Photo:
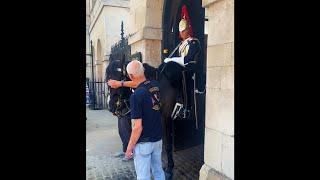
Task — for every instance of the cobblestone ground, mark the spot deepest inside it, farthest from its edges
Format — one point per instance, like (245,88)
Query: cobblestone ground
(107,167)
(103,141)
(187,163)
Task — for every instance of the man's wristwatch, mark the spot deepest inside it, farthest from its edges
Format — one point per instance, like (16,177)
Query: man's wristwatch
(122,83)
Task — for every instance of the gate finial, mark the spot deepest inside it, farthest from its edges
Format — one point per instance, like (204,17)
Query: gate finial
(122,38)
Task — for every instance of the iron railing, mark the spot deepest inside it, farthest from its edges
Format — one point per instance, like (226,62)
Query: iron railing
(97,95)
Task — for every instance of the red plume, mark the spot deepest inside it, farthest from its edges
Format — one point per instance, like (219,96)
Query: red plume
(185,15)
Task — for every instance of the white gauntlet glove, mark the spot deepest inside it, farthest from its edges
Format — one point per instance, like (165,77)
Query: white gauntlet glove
(166,60)
(179,60)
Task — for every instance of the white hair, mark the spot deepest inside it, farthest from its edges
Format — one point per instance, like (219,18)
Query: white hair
(135,68)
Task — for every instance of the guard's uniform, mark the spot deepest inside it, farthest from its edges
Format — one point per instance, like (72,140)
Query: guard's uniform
(189,50)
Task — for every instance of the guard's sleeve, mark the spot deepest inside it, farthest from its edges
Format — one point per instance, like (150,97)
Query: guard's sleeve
(194,47)
(136,106)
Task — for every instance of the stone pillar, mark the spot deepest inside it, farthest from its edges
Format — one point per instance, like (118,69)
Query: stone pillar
(219,130)
(146,29)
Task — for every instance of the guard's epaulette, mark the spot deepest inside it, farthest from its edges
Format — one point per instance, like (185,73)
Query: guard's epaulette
(194,40)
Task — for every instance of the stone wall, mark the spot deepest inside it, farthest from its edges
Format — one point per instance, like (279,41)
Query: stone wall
(106,28)
(219,130)
(146,29)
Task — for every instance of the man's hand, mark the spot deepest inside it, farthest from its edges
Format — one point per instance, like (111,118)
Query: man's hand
(114,83)
(135,134)
(166,60)
(129,152)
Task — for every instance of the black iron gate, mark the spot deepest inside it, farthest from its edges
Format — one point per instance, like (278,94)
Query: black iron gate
(97,95)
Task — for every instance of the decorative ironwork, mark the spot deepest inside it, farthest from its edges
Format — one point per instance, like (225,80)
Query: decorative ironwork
(121,47)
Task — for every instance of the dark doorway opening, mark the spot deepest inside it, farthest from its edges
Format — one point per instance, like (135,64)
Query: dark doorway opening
(186,135)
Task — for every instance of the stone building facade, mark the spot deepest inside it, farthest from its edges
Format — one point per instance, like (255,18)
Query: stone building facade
(144,21)
(104,30)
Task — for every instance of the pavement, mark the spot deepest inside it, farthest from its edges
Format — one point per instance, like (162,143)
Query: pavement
(103,141)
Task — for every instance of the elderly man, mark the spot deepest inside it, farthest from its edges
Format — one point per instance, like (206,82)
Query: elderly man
(145,143)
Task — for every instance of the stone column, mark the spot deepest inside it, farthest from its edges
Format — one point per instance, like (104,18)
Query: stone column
(146,29)
(219,130)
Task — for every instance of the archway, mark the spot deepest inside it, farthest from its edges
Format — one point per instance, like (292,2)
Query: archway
(99,60)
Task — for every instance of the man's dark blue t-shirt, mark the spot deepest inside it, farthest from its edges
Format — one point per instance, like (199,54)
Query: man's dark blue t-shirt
(144,106)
